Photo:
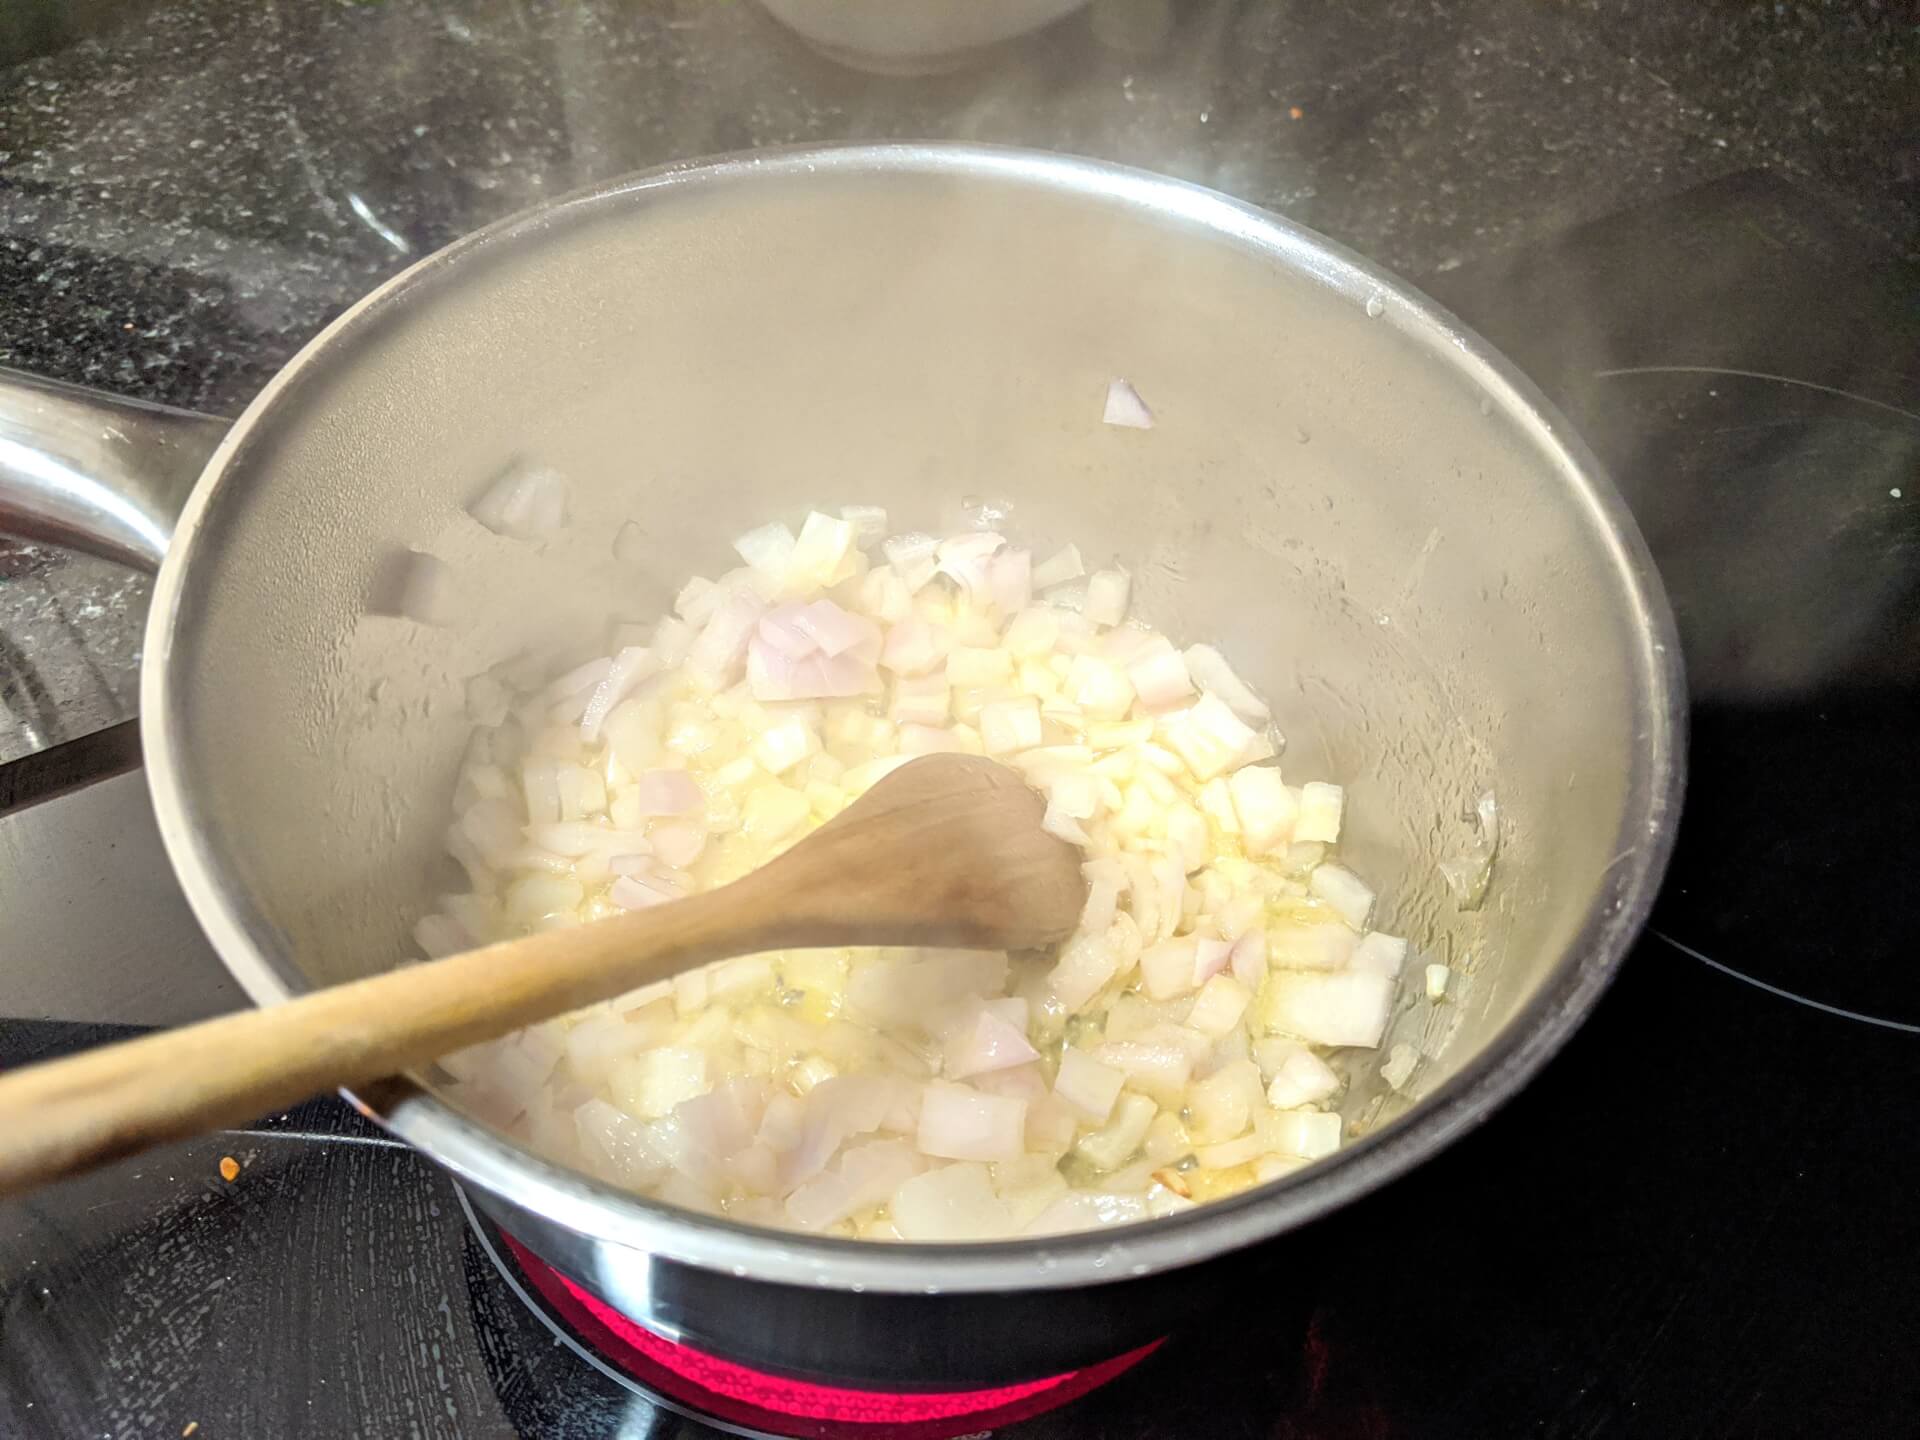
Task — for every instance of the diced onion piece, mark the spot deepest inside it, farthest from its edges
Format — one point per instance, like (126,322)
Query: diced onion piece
(1125,407)
(616,1143)
(781,629)
(1099,687)
(966,559)
(1437,978)
(1167,969)
(630,667)
(1107,592)
(1333,1008)
(1063,565)
(958,1122)
(822,555)
(785,744)
(1161,681)
(1249,961)
(1116,1142)
(1211,672)
(1227,1154)
(1309,1134)
(1088,1086)
(914,558)
(1160,1065)
(697,600)
(1345,891)
(1380,955)
(654,1081)
(668,792)
(928,740)
(920,700)
(1320,810)
(1009,725)
(677,843)
(952,1202)
(836,632)
(1089,1210)
(1310,947)
(1208,736)
(1302,1079)
(1264,807)
(869,521)
(990,1042)
(1010,580)
(717,652)
(1222,1105)
(768,549)
(1398,1067)
(1082,971)
(975,666)
(914,646)
(773,812)
(1219,1005)
(524,504)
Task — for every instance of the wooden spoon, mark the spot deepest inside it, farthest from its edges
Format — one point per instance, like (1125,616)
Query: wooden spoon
(946,850)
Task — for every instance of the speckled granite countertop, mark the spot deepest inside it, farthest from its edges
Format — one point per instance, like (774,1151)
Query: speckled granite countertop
(189,190)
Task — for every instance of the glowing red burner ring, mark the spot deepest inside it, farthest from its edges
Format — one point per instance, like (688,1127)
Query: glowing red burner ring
(737,1395)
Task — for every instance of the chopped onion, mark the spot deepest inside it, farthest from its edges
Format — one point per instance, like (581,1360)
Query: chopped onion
(953,1202)
(1211,672)
(1208,736)
(863,1093)
(1063,565)
(968,560)
(768,549)
(1321,807)
(668,792)
(822,554)
(1264,807)
(526,503)
(1087,1085)
(869,521)
(1161,681)
(1331,1008)
(1009,725)
(1125,407)
(1107,592)
(630,667)
(1303,1078)
(958,1122)
(1344,891)
(991,1042)
(914,558)
(1380,954)
(835,632)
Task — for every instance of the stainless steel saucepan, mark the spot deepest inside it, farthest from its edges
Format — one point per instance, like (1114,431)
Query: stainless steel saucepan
(1384,526)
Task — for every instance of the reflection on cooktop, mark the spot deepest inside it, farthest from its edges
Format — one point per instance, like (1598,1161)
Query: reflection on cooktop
(1752,391)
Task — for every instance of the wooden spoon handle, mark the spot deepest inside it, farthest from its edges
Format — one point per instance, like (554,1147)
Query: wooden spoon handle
(67,1116)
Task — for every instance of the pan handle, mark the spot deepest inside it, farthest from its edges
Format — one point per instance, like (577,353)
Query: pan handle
(95,472)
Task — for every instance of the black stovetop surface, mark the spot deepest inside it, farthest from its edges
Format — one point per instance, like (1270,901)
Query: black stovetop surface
(1698,1221)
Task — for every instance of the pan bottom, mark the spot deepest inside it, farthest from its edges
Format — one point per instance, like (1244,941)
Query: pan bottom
(744,1401)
